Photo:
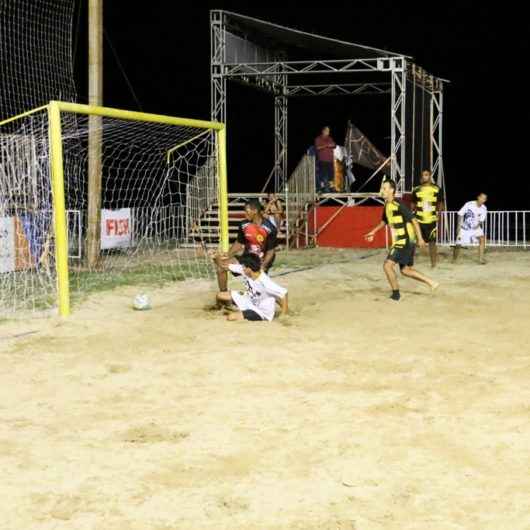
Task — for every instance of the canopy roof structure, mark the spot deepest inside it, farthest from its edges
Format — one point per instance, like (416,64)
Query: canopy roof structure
(270,35)
(286,62)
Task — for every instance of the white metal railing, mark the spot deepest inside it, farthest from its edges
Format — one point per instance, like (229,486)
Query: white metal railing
(300,194)
(75,234)
(201,194)
(156,224)
(503,228)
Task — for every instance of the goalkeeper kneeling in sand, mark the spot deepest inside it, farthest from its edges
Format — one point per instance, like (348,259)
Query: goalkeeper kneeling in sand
(258,302)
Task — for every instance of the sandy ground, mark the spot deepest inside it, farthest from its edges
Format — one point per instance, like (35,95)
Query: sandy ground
(353,413)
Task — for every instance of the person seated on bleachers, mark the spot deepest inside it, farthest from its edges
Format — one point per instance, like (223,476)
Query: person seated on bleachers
(273,210)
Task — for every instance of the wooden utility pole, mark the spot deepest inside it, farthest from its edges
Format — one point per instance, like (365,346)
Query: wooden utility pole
(95,97)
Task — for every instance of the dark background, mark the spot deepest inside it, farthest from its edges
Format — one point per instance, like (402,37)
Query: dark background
(164,50)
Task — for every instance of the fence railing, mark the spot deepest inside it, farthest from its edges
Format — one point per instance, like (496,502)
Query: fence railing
(299,194)
(156,225)
(502,228)
(201,194)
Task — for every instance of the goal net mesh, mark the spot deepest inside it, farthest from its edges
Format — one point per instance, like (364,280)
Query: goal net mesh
(157,181)
(35,54)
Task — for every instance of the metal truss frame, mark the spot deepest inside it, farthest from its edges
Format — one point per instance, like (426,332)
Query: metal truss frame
(344,89)
(218,101)
(273,77)
(318,66)
(280,140)
(397,124)
(436,138)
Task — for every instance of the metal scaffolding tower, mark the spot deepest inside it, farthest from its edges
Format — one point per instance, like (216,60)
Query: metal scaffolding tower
(267,57)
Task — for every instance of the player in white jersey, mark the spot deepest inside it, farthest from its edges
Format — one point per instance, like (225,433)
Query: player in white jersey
(471,218)
(258,302)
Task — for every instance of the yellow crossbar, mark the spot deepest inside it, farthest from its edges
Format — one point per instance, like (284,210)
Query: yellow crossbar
(108,112)
(23,115)
(173,149)
(54,109)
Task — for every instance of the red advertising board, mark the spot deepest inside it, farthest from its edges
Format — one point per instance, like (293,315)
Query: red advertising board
(346,228)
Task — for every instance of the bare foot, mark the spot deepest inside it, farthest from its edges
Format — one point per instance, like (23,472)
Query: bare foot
(434,286)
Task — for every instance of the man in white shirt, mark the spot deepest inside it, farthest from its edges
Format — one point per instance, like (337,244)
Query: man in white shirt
(258,302)
(471,218)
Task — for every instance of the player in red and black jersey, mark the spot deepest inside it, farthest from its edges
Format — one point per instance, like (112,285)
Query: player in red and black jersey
(256,235)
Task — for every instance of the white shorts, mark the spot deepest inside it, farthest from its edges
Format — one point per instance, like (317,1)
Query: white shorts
(244,303)
(469,237)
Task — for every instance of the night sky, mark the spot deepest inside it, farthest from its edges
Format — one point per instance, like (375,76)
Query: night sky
(164,49)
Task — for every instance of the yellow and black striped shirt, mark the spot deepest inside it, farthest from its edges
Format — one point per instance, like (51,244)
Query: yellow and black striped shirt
(399,218)
(427,198)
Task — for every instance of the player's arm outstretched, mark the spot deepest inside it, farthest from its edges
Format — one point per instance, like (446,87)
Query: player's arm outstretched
(235,248)
(223,259)
(370,235)
(284,304)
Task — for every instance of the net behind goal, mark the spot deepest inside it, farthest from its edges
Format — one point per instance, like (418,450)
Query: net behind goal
(92,198)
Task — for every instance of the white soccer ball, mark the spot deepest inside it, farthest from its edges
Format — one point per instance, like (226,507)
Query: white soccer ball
(141,302)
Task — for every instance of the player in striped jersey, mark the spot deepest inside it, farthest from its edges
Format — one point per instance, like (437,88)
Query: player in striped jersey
(427,201)
(405,232)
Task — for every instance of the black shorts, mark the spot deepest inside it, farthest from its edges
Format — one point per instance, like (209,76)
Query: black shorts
(248,314)
(429,231)
(404,257)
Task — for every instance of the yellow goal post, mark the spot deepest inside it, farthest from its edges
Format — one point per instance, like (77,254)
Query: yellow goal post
(55,111)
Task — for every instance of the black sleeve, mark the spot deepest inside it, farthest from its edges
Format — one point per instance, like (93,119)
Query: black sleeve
(384,218)
(240,234)
(271,242)
(406,213)
(415,196)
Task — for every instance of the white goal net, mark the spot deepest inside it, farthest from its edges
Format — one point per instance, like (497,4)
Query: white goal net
(156,182)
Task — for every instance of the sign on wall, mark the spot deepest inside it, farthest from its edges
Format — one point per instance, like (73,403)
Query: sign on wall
(116,228)
(7,244)
(24,242)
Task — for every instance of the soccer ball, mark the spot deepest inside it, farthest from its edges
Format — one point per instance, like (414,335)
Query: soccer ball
(141,302)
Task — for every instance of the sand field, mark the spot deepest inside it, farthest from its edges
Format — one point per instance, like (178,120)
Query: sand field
(352,413)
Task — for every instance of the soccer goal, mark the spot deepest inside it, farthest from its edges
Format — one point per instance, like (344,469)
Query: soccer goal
(93,197)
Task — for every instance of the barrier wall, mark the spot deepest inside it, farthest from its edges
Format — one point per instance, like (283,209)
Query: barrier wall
(348,227)
(502,228)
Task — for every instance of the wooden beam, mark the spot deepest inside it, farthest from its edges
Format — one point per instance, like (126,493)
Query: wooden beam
(95,97)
